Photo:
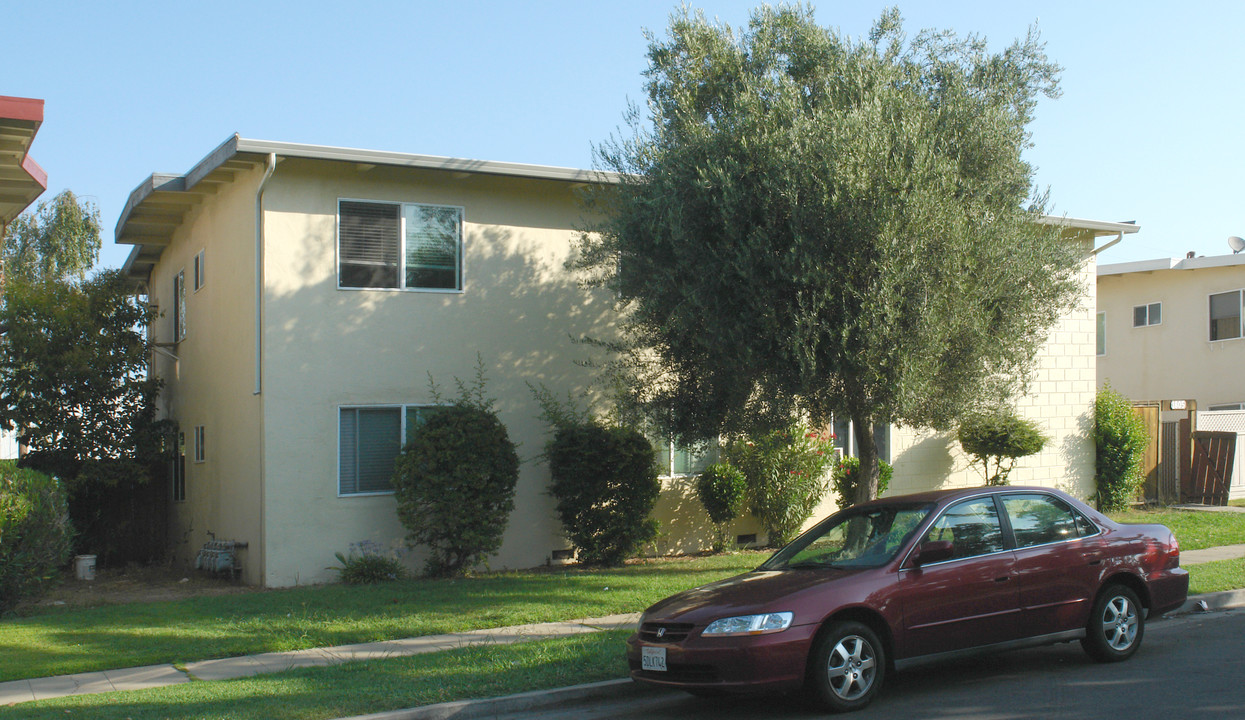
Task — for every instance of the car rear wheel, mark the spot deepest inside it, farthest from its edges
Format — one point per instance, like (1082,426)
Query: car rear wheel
(1116,625)
(847,667)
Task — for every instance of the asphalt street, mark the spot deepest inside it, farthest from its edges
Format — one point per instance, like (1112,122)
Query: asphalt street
(1188,667)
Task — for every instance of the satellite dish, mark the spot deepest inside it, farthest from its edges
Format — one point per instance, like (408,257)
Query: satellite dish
(1236,243)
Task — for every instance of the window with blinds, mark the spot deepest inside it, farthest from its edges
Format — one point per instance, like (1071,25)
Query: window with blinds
(1225,316)
(405,246)
(370,439)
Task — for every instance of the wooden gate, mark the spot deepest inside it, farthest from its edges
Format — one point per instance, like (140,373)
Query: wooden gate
(1210,481)
(1149,414)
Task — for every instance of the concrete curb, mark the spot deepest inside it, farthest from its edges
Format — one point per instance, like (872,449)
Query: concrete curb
(1224,600)
(534,700)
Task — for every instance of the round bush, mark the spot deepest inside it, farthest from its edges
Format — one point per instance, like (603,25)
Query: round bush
(786,474)
(846,476)
(999,436)
(1120,441)
(605,483)
(35,533)
(454,484)
(722,490)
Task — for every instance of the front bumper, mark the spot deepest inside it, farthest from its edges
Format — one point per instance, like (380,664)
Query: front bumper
(742,664)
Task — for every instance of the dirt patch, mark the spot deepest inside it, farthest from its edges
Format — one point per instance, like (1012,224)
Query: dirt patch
(136,585)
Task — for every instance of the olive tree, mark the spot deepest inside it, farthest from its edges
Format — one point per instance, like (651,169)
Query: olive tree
(804,224)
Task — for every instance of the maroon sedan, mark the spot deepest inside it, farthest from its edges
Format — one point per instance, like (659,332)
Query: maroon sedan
(905,580)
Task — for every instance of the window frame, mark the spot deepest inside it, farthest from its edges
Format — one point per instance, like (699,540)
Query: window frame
(1240,315)
(1078,519)
(403,435)
(200,268)
(460,255)
(1150,312)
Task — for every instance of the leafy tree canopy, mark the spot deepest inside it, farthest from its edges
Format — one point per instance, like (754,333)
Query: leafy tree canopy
(59,239)
(808,224)
(73,377)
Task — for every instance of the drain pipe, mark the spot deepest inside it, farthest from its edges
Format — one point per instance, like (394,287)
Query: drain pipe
(1118,237)
(259,273)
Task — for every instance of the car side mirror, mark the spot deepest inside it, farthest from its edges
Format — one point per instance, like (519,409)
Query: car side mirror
(933,551)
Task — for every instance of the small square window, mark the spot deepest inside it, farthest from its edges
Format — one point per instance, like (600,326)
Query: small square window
(1145,315)
(1225,315)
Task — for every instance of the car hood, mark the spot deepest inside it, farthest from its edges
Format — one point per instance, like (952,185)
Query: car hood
(753,592)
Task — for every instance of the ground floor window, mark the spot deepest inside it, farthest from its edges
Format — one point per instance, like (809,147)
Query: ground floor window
(369,440)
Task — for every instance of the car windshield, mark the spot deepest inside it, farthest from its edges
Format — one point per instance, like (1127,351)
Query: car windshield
(864,538)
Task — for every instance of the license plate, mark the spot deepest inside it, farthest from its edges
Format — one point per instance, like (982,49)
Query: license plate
(653,658)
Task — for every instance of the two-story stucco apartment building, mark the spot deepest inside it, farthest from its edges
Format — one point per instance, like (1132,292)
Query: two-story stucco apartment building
(307,293)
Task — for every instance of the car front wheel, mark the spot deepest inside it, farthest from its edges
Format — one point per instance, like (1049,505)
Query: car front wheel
(847,667)
(1116,625)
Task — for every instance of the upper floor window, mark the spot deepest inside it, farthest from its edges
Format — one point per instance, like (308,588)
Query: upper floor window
(405,246)
(1225,315)
(1144,315)
(200,270)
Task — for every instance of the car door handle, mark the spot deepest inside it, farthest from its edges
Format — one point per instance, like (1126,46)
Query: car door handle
(1001,579)
(1096,561)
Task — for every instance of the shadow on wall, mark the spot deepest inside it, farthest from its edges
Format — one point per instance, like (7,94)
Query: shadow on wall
(1078,452)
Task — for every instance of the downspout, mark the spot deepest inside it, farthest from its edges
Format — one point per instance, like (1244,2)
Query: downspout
(259,364)
(1118,237)
(259,272)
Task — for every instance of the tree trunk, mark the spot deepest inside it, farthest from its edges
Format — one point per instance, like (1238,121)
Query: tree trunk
(862,429)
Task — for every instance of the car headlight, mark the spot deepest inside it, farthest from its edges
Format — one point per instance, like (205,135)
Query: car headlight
(750,624)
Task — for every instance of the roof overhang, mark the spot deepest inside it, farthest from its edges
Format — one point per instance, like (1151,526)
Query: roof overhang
(21,178)
(1161,264)
(157,207)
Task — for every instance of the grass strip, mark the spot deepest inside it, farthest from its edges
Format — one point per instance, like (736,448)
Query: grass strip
(1216,576)
(60,642)
(1196,530)
(359,688)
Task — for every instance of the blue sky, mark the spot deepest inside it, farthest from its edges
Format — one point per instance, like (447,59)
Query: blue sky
(1148,128)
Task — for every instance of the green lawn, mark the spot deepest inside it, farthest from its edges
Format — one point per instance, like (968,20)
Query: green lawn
(359,688)
(1195,530)
(1216,576)
(58,642)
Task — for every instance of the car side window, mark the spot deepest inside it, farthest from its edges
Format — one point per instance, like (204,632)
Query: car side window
(1040,519)
(972,526)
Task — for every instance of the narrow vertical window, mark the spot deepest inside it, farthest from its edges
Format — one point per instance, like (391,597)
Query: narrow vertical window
(179,311)
(1102,334)
(179,469)
(200,451)
(200,270)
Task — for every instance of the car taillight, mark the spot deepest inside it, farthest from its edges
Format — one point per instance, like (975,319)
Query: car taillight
(1173,551)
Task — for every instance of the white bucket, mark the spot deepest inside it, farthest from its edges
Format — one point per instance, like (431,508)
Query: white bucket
(84,567)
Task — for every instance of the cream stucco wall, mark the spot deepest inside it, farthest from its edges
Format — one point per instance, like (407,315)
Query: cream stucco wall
(1176,358)
(211,382)
(325,348)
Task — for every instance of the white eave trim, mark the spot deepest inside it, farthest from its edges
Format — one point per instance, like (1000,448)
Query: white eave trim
(1098,227)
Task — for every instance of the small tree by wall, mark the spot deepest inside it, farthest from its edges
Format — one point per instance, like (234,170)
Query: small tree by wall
(722,489)
(786,474)
(996,439)
(35,533)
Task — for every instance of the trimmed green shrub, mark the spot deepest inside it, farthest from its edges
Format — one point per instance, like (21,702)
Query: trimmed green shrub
(722,490)
(605,483)
(1120,439)
(454,483)
(786,475)
(999,436)
(846,475)
(368,563)
(35,534)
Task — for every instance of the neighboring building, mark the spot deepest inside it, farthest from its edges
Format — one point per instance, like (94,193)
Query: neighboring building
(1172,330)
(306,294)
(21,182)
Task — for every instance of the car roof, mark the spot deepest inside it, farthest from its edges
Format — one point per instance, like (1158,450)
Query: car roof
(952,494)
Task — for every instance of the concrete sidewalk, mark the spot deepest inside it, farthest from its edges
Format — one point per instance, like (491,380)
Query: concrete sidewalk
(141,678)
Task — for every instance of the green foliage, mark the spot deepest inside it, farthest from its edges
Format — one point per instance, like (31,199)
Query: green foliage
(605,483)
(73,365)
(845,479)
(454,483)
(999,437)
(722,489)
(59,239)
(786,474)
(35,533)
(1120,440)
(815,225)
(368,563)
